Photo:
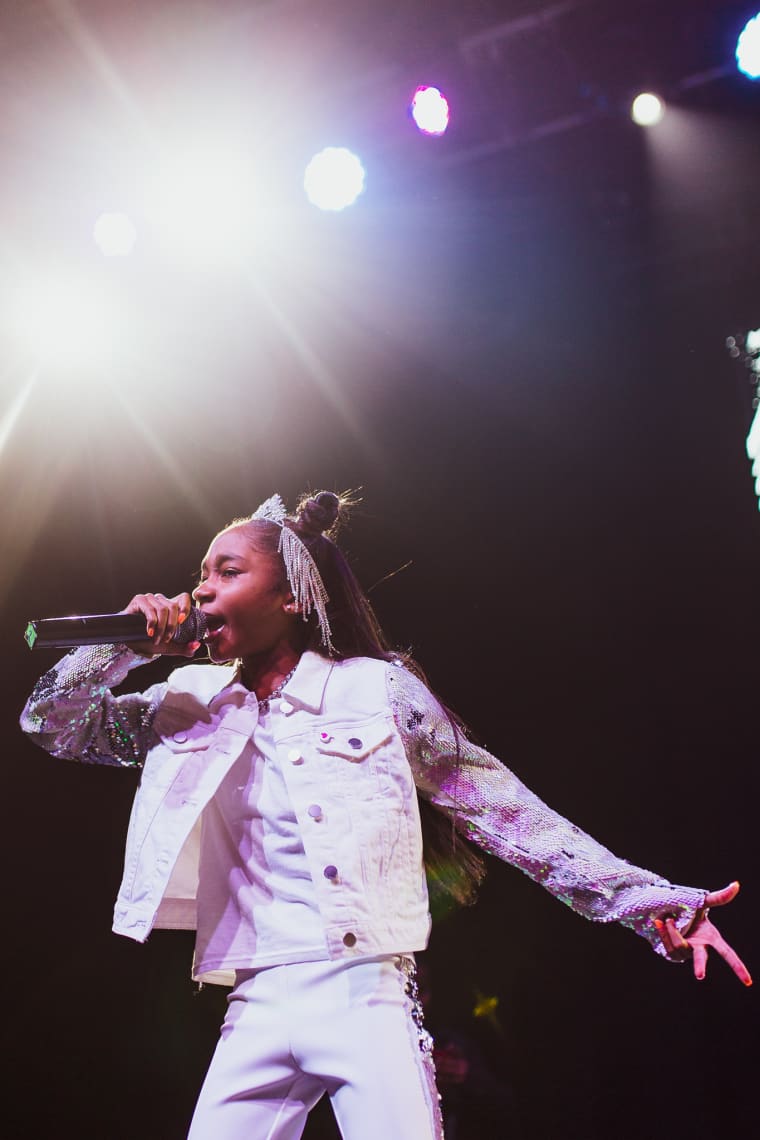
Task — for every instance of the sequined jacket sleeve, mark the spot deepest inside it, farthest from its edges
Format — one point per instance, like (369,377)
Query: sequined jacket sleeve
(72,712)
(495,810)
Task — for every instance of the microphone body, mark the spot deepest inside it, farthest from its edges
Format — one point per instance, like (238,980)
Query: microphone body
(105,629)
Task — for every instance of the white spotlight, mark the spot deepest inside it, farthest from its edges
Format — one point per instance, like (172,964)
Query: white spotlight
(114,235)
(748,49)
(647,109)
(430,110)
(334,178)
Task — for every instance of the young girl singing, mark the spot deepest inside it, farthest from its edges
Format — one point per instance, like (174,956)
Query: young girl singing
(278,816)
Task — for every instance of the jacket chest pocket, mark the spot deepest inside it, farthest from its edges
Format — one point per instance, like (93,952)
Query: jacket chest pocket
(364,758)
(183,725)
(180,735)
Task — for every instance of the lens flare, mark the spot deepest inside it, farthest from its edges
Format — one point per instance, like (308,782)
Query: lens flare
(334,179)
(115,234)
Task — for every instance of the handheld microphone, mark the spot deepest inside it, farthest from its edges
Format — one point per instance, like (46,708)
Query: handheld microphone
(105,629)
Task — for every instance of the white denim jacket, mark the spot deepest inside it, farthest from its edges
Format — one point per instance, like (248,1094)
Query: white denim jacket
(362,736)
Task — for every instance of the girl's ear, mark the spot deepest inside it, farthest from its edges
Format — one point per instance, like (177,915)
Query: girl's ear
(291,606)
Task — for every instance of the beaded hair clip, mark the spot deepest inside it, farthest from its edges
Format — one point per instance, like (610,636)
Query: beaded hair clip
(301,569)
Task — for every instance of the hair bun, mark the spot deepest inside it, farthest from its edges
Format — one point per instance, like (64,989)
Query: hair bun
(319,513)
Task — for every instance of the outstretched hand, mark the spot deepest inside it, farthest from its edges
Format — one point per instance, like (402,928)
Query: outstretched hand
(703,936)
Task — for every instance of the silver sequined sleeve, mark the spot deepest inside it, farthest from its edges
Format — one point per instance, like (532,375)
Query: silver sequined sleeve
(72,712)
(495,810)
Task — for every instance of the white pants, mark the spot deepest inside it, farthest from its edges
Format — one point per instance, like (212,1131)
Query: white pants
(351,1029)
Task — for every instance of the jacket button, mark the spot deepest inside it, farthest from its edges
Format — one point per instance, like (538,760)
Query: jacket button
(330,872)
(286,708)
(294,756)
(349,939)
(315,811)
(355,742)
(180,737)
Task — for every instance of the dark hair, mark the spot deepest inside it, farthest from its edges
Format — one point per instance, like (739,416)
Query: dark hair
(454,868)
(355,630)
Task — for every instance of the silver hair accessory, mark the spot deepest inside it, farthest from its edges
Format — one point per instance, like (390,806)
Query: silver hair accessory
(303,575)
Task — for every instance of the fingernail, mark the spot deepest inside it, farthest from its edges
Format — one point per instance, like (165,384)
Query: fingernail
(748,982)
(181,618)
(151,631)
(659,923)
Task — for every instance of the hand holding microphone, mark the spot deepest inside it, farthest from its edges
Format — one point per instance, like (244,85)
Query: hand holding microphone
(151,624)
(172,625)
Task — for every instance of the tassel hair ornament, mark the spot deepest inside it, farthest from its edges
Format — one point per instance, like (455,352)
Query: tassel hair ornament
(303,575)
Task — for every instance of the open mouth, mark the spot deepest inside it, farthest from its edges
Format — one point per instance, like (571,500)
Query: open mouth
(214,623)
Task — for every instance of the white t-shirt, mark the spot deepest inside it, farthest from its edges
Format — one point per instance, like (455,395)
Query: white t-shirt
(256,899)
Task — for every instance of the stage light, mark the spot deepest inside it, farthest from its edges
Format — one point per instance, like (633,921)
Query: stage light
(430,110)
(753,452)
(748,48)
(749,356)
(114,235)
(647,109)
(334,178)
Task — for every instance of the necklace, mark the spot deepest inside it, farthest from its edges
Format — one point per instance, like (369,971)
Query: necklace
(264,702)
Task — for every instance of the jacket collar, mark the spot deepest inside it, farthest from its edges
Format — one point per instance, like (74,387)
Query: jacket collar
(307,685)
(203,681)
(305,688)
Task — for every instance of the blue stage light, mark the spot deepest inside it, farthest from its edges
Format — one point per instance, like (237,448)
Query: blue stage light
(748,48)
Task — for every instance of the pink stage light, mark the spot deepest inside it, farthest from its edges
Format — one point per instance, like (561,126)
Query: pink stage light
(430,110)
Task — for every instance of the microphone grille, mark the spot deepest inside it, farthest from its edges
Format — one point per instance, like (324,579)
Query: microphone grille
(192,629)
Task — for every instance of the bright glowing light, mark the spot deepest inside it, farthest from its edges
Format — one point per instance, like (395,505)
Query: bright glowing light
(430,110)
(752,341)
(647,109)
(204,197)
(12,415)
(115,235)
(748,48)
(63,322)
(753,452)
(334,178)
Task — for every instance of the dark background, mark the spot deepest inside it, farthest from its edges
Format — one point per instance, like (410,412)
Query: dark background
(514,345)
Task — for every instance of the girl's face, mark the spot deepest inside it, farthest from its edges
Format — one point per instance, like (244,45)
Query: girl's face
(248,604)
